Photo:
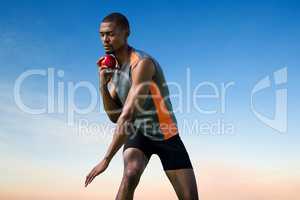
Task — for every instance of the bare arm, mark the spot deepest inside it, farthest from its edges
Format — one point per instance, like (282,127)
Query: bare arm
(112,105)
(141,77)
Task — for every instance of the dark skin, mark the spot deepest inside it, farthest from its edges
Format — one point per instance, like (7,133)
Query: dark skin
(114,39)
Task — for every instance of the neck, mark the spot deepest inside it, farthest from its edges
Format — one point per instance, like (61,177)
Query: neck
(122,54)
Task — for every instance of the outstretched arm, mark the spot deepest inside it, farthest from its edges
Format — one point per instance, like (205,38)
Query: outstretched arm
(141,78)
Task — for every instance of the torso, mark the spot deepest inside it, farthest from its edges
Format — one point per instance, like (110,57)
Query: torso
(157,121)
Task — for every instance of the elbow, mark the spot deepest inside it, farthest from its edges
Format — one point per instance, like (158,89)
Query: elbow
(113,119)
(113,115)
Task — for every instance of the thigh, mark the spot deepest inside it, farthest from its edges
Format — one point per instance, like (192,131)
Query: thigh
(173,154)
(184,183)
(139,142)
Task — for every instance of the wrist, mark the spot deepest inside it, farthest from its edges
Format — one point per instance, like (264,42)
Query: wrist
(103,86)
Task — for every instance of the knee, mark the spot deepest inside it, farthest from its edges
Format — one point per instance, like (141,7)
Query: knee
(190,196)
(132,175)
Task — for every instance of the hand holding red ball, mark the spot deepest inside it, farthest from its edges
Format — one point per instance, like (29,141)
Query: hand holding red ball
(107,62)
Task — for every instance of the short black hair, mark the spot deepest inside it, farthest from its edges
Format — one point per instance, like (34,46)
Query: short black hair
(119,18)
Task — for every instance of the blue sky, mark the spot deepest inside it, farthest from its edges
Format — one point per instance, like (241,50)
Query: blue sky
(219,41)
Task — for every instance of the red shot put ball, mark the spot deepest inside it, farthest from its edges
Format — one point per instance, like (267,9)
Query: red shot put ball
(108,61)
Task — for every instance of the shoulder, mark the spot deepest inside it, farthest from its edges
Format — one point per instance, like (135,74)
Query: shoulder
(141,59)
(144,67)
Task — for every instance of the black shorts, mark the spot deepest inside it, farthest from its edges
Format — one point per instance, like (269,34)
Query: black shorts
(171,152)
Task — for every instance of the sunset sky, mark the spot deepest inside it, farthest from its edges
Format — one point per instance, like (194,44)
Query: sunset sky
(221,49)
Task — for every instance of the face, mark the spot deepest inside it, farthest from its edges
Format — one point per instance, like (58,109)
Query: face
(112,36)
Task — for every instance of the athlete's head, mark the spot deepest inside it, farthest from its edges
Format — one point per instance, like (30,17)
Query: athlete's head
(114,31)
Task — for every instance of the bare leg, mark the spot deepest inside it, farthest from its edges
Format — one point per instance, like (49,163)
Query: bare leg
(184,183)
(134,164)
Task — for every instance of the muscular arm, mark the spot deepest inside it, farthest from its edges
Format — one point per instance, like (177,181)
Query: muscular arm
(141,77)
(112,105)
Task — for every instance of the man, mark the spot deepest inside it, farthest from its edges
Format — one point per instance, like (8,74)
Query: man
(136,97)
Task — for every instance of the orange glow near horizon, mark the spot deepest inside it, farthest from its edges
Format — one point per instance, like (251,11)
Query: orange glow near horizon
(215,181)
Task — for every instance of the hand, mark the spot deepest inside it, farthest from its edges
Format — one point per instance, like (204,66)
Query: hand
(98,169)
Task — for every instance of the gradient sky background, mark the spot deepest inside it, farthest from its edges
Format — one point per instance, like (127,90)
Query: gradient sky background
(219,41)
